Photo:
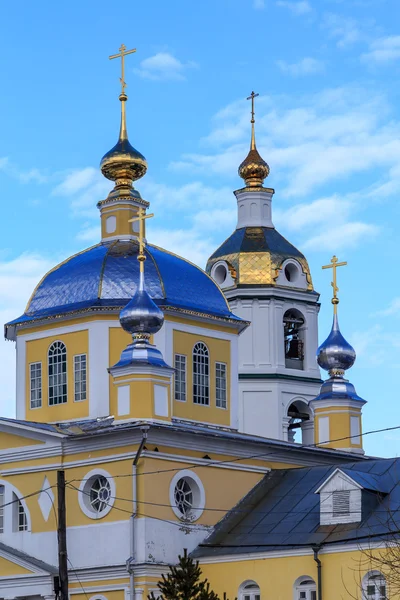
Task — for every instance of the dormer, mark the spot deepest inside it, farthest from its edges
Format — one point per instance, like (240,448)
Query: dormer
(347,496)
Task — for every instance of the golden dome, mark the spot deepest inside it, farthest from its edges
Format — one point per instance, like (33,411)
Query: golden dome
(123,163)
(253,169)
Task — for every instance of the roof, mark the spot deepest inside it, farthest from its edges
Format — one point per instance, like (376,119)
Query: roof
(107,276)
(35,562)
(283,511)
(255,253)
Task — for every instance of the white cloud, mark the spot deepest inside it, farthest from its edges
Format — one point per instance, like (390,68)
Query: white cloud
(18,278)
(302,7)
(392,309)
(84,188)
(75,181)
(318,212)
(32,175)
(345,30)
(305,66)
(193,245)
(383,50)
(343,236)
(163,66)
(259,4)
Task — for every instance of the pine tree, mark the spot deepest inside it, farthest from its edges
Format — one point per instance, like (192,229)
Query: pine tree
(184,582)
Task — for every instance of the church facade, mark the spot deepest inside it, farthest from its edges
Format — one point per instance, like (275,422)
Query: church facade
(166,394)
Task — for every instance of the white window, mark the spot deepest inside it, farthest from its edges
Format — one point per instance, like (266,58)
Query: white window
(201,374)
(97,494)
(1,509)
(20,521)
(374,586)
(187,495)
(220,384)
(305,589)
(180,377)
(35,372)
(57,373)
(80,377)
(249,591)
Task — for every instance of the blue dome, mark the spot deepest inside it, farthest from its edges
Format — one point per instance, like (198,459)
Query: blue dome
(107,276)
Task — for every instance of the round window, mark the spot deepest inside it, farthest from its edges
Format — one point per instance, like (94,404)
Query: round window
(187,495)
(97,492)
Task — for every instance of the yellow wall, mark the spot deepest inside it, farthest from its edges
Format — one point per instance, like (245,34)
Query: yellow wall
(118,341)
(341,575)
(9,440)
(142,403)
(122,212)
(8,568)
(219,352)
(339,426)
(36,351)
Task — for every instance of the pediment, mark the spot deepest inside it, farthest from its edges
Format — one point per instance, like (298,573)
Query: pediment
(14,562)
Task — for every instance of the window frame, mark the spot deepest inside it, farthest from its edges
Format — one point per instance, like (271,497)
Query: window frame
(201,374)
(307,586)
(177,380)
(221,403)
(39,388)
(53,399)
(374,578)
(82,381)
(19,516)
(249,590)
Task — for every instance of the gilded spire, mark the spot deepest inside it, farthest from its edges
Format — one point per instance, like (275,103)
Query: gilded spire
(123,163)
(253,169)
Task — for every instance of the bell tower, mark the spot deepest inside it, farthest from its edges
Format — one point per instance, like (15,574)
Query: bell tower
(267,282)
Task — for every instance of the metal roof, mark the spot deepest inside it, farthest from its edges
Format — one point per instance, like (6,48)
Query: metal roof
(283,511)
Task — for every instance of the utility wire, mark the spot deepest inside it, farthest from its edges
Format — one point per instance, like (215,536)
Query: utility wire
(251,456)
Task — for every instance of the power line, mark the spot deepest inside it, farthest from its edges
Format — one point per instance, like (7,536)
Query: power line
(251,456)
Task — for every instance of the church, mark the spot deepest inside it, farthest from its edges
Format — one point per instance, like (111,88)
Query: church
(185,410)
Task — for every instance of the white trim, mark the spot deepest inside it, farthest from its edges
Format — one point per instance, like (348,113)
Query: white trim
(344,475)
(83,494)
(198,492)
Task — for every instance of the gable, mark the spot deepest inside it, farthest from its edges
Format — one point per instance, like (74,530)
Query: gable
(11,440)
(8,568)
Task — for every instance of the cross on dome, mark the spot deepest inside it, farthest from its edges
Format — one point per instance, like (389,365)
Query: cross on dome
(334,265)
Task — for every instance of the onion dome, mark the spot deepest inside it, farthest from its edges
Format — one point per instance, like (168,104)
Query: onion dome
(253,169)
(141,317)
(335,354)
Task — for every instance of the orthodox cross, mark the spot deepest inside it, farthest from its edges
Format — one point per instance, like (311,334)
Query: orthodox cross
(141,218)
(334,265)
(122,53)
(251,97)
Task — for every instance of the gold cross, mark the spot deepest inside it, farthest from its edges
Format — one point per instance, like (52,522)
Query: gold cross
(251,97)
(141,218)
(122,53)
(334,265)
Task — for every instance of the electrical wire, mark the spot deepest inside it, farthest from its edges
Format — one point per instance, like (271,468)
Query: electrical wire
(248,457)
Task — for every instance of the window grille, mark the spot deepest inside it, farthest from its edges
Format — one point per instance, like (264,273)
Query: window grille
(20,521)
(1,508)
(80,377)
(36,384)
(99,493)
(201,369)
(220,384)
(251,591)
(180,377)
(183,495)
(375,586)
(341,502)
(57,373)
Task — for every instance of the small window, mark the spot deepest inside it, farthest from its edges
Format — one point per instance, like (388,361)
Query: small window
(341,502)
(1,508)
(201,376)
(187,496)
(57,357)
(20,521)
(96,494)
(220,384)
(35,371)
(374,586)
(180,377)
(305,589)
(80,377)
(249,591)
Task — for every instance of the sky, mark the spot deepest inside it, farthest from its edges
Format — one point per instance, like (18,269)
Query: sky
(327,122)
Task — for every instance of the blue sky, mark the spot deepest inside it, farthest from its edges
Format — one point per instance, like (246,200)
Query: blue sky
(328,123)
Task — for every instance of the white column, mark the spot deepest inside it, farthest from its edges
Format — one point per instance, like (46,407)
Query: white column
(254,208)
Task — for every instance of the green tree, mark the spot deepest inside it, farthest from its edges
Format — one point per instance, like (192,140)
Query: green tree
(184,582)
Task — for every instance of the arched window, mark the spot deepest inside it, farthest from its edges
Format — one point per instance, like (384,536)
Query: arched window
(374,586)
(14,516)
(300,426)
(57,373)
(201,374)
(293,328)
(305,589)
(249,591)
